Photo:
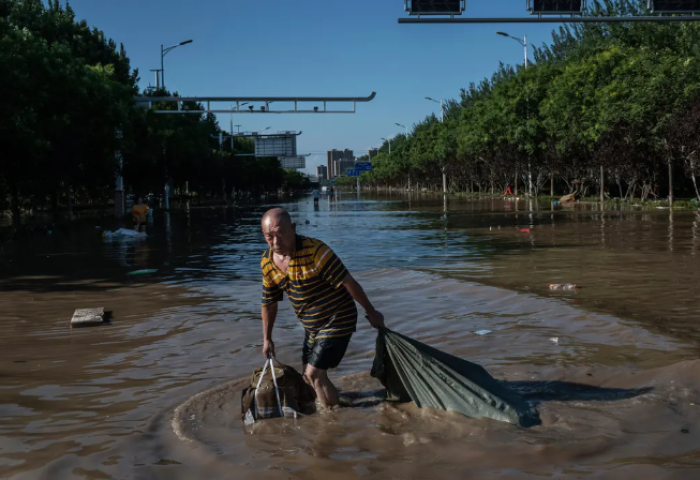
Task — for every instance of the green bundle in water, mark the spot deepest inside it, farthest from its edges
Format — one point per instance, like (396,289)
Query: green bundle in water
(413,371)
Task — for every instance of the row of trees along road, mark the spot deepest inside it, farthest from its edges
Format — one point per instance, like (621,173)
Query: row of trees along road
(68,109)
(624,97)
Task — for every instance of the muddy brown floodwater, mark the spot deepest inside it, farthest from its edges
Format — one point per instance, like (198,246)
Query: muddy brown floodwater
(613,367)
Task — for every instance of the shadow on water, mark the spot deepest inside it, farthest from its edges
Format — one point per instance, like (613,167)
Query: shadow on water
(535,392)
(558,391)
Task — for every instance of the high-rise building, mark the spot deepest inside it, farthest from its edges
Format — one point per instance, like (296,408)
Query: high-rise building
(332,167)
(347,162)
(322,172)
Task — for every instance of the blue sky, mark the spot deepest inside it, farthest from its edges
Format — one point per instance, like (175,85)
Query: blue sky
(314,47)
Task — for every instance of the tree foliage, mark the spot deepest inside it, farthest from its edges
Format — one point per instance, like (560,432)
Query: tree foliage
(68,111)
(622,96)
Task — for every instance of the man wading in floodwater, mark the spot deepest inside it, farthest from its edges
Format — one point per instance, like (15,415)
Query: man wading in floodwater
(322,293)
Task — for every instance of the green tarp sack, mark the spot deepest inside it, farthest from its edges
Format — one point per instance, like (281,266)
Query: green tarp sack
(413,371)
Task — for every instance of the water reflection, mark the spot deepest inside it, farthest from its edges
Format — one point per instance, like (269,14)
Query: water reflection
(438,265)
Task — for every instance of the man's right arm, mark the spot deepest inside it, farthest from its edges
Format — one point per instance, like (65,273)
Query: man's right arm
(269,315)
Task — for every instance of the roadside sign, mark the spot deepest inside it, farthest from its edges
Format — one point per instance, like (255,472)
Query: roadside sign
(353,172)
(363,166)
(436,7)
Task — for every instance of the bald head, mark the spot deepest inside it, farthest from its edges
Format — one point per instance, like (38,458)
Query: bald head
(277,215)
(280,231)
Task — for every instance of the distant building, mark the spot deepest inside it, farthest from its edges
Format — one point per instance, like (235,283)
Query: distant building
(322,172)
(338,162)
(332,157)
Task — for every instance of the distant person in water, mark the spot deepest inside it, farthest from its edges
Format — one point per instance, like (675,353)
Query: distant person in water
(315,197)
(322,293)
(140,214)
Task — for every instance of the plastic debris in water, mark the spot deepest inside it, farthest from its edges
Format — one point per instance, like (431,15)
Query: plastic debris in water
(483,332)
(525,230)
(554,340)
(142,272)
(563,286)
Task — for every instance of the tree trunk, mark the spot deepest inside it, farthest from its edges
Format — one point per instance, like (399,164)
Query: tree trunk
(551,184)
(16,211)
(54,205)
(670,183)
(602,187)
(515,191)
(69,194)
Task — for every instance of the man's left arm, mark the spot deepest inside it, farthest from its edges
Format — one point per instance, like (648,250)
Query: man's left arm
(375,318)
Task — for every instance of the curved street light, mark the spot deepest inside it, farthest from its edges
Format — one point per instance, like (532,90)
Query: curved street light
(404,126)
(522,42)
(389,142)
(442,106)
(163,53)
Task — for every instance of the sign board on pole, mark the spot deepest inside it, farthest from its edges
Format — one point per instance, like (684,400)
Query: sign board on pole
(673,6)
(293,162)
(277,146)
(353,172)
(436,7)
(363,166)
(556,7)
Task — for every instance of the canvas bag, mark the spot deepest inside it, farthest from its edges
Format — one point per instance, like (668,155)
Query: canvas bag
(281,393)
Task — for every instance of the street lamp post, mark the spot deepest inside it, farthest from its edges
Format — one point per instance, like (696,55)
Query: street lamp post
(389,142)
(404,127)
(522,42)
(163,53)
(442,107)
(231,125)
(442,167)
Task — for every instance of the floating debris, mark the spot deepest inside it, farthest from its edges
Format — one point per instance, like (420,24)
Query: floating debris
(84,317)
(143,272)
(563,286)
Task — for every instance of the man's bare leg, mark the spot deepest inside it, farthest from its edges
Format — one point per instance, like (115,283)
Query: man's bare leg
(326,392)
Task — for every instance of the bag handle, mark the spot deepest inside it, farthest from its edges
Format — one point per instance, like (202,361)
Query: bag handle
(269,363)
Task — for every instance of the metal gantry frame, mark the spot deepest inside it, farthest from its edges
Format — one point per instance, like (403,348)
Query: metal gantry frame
(207,101)
(574,17)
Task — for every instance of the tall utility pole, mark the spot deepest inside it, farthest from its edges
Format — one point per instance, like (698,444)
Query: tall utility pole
(442,167)
(389,142)
(157,72)
(522,42)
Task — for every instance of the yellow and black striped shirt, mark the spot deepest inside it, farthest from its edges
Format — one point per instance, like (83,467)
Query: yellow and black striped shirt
(314,285)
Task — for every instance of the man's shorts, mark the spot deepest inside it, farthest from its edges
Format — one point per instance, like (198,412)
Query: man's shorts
(324,353)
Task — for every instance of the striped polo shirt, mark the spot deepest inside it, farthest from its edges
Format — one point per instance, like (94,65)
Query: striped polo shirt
(314,285)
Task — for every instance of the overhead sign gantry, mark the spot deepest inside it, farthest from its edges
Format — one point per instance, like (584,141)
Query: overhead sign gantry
(550,11)
(308,104)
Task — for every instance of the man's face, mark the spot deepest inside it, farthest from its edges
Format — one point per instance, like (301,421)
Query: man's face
(280,236)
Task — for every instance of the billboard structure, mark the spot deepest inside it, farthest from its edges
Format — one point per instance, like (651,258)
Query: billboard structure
(281,145)
(297,163)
